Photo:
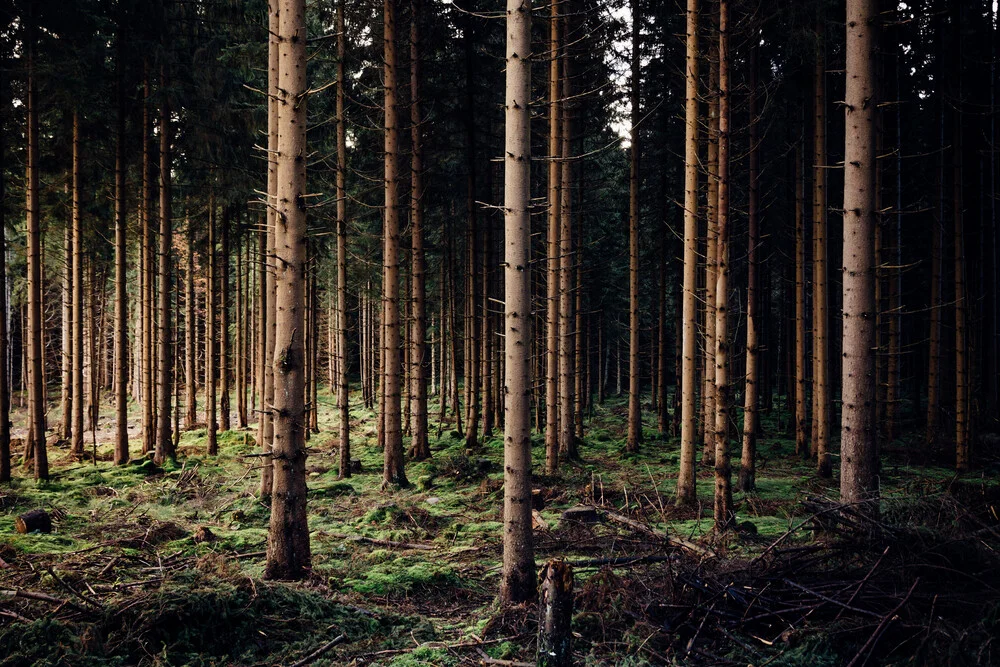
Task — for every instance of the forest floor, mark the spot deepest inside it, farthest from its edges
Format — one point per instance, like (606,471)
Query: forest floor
(162,566)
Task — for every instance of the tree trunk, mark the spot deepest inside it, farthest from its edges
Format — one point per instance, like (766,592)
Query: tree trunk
(801,382)
(211,334)
(859,465)
(268,297)
(634,400)
(962,461)
(567,443)
(724,512)
(190,333)
(342,359)
(66,399)
(147,347)
(36,402)
(471,360)
(685,479)
(552,253)
(747,480)
(288,554)
(164,441)
(419,446)
(5,463)
(711,249)
(821,364)
(393,473)
(224,325)
(78,317)
(121,268)
(518,583)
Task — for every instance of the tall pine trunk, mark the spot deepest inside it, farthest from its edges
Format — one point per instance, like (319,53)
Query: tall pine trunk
(821,364)
(78,305)
(634,400)
(393,472)
(288,554)
(164,440)
(552,252)
(36,383)
(121,277)
(859,463)
(268,296)
(724,513)
(518,583)
(419,447)
(211,333)
(747,479)
(342,359)
(801,381)
(686,494)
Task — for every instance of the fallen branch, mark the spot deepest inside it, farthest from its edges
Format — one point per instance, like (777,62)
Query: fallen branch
(620,561)
(42,597)
(320,651)
(888,618)
(646,530)
(387,543)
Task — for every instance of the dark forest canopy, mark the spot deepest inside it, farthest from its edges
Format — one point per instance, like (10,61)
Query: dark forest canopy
(574,238)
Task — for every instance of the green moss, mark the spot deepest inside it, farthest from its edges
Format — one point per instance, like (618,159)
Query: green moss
(401,576)
(425,657)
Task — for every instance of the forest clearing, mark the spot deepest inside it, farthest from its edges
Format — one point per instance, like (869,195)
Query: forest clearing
(434,332)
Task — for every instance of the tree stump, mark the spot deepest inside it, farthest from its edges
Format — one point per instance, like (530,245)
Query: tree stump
(35,520)
(355,465)
(555,640)
(581,514)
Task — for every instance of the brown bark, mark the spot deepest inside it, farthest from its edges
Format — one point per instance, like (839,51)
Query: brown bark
(518,582)
(164,440)
(393,472)
(78,316)
(724,512)
(685,479)
(5,463)
(567,442)
(36,388)
(288,555)
(962,385)
(121,278)
(552,252)
(419,446)
(226,417)
(190,333)
(211,333)
(711,249)
(821,364)
(555,637)
(858,471)
(747,479)
(342,359)
(634,399)
(147,347)
(268,297)
(801,381)
(66,398)
(472,346)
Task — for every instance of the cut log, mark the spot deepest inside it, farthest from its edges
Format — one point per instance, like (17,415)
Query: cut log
(649,532)
(581,514)
(555,641)
(34,521)
(537,522)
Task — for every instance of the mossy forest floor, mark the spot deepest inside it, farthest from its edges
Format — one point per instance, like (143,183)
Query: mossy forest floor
(162,566)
